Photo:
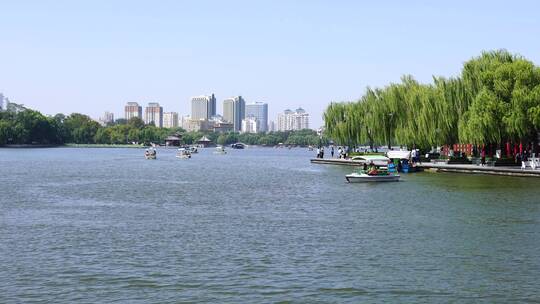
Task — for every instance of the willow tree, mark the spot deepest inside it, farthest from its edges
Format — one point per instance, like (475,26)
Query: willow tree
(503,91)
(451,106)
(335,123)
(496,99)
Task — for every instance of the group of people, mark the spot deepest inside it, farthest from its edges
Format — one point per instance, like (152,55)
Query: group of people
(370,169)
(341,152)
(151,152)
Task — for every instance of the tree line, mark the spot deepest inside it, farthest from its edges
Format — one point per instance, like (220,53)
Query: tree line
(20,125)
(495,100)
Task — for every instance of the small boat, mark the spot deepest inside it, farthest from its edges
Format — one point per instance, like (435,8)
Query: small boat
(193,150)
(238,146)
(360,177)
(150,154)
(220,150)
(386,170)
(402,159)
(310,148)
(183,153)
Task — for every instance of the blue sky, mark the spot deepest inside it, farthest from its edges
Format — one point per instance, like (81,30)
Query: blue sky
(93,56)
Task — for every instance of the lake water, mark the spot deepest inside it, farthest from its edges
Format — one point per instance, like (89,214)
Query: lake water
(259,225)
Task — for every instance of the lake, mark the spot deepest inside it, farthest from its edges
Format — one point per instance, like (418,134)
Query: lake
(260,225)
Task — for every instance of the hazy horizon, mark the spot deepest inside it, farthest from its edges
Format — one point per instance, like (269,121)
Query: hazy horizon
(94,56)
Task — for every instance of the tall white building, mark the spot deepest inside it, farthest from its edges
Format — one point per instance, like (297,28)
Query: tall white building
(260,111)
(170,120)
(153,113)
(271,126)
(251,125)
(107,117)
(203,107)
(234,110)
(2,108)
(132,109)
(291,121)
(183,122)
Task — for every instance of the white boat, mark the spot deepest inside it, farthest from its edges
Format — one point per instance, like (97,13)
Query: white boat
(385,170)
(150,153)
(193,149)
(183,153)
(220,150)
(356,177)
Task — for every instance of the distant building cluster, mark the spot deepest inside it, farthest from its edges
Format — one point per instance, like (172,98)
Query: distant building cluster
(107,118)
(291,121)
(238,116)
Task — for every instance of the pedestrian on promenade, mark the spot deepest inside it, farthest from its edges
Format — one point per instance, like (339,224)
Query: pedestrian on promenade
(332,151)
(318,152)
(322,152)
(483,156)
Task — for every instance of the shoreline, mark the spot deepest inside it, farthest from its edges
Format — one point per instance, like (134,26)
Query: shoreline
(451,168)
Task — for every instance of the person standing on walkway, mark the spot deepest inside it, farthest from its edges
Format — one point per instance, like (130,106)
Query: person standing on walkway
(332,151)
(318,152)
(483,156)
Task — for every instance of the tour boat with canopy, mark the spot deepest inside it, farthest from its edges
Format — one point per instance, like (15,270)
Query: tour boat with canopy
(220,150)
(183,153)
(377,168)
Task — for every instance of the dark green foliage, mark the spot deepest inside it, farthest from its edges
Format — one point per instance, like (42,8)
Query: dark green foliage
(496,99)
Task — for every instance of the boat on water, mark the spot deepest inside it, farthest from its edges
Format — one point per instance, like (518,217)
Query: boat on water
(381,169)
(183,153)
(401,159)
(150,153)
(361,177)
(193,149)
(238,146)
(220,150)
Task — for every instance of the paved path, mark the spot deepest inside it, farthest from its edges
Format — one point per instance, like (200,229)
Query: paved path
(442,167)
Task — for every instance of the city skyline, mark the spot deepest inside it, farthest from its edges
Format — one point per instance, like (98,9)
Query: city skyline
(239,113)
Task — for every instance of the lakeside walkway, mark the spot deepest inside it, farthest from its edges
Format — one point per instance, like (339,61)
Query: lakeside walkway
(442,167)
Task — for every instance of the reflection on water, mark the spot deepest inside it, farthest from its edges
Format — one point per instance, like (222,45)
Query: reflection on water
(257,225)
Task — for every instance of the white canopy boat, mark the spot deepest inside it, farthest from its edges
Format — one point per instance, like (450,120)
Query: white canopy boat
(220,150)
(183,153)
(385,170)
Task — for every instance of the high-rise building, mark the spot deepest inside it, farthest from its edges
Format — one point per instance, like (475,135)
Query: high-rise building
(290,121)
(271,126)
(170,120)
(203,107)
(132,109)
(183,122)
(251,124)
(234,110)
(1,102)
(153,113)
(260,111)
(107,118)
